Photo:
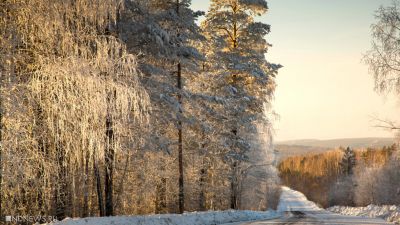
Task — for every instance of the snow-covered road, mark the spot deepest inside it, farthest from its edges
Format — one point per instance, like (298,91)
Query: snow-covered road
(301,211)
(292,200)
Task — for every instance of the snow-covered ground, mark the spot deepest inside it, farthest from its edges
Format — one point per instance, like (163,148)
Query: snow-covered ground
(389,213)
(294,208)
(292,200)
(301,211)
(195,218)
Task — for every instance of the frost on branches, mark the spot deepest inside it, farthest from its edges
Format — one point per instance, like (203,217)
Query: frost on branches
(123,107)
(244,78)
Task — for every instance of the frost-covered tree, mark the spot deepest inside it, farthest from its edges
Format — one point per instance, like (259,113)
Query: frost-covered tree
(4,58)
(383,58)
(366,190)
(110,107)
(342,192)
(248,83)
(82,95)
(348,162)
(378,184)
(164,32)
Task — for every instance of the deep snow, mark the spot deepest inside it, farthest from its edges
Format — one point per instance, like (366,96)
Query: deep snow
(390,213)
(195,218)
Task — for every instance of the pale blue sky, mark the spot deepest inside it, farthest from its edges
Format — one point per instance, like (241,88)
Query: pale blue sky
(324,91)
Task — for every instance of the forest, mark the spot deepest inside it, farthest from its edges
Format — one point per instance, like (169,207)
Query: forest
(131,107)
(345,177)
(147,107)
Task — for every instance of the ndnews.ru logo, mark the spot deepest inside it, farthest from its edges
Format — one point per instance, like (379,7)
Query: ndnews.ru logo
(30,219)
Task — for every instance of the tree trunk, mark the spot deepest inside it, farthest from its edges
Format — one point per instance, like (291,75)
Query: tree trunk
(161,189)
(121,183)
(109,161)
(235,44)
(180,145)
(203,177)
(140,180)
(202,197)
(85,211)
(234,187)
(43,152)
(1,145)
(39,177)
(234,175)
(61,195)
(109,157)
(98,185)
(213,195)
(161,198)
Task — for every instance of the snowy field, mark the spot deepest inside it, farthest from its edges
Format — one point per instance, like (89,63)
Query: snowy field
(195,218)
(389,213)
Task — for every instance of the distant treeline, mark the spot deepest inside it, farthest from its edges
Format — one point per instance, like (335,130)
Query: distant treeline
(337,177)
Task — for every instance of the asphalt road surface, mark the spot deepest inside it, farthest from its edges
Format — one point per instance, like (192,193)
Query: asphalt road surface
(317,217)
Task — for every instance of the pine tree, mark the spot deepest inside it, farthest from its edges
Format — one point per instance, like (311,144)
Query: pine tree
(348,162)
(239,46)
(164,33)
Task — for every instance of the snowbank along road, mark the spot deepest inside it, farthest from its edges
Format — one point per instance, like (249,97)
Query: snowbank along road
(298,210)
(294,208)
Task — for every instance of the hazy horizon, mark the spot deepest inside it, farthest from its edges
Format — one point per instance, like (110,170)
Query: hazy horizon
(324,90)
(330,139)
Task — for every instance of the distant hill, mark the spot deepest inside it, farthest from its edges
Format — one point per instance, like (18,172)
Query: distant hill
(285,151)
(300,147)
(334,143)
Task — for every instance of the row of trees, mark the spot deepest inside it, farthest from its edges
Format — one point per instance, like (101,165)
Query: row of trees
(129,107)
(380,185)
(367,181)
(337,177)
